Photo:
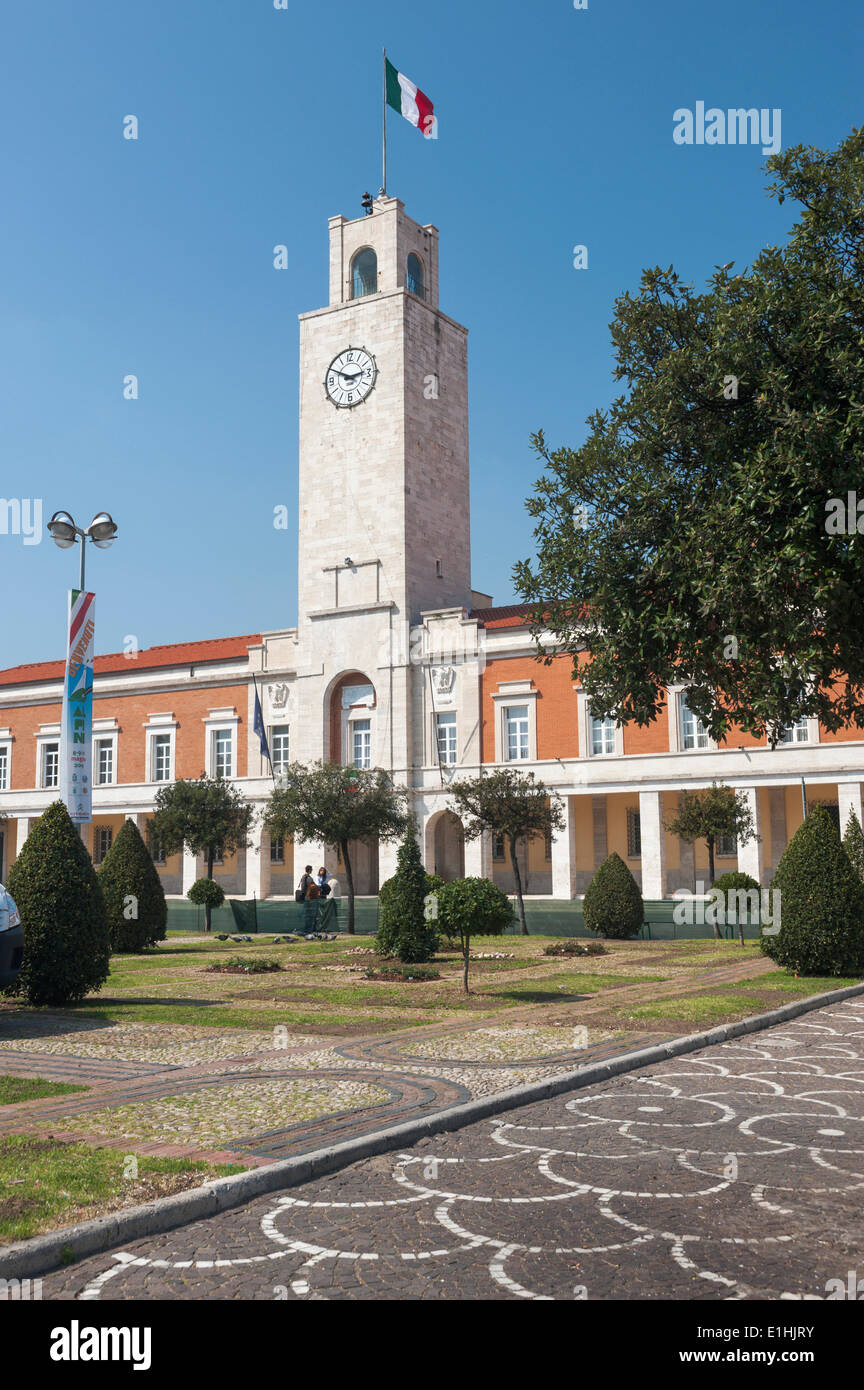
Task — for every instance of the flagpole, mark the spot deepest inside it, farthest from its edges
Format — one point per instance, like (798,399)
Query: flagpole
(258,702)
(383,193)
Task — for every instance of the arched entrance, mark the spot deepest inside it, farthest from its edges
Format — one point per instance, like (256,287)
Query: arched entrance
(445,846)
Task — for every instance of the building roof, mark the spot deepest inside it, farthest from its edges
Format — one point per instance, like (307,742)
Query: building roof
(148,659)
(510,615)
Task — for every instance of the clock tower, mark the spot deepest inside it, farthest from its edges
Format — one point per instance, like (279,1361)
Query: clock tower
(383,433)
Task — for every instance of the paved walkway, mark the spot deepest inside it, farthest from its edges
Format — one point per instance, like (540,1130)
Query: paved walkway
(734,1173)
(250,1097)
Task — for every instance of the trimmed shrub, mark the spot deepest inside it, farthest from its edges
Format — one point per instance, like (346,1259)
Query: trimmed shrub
(473,906)
(134,897)
(821,904)
(404,928)
(612,906)
(206,893)
(66,943)
(853,843)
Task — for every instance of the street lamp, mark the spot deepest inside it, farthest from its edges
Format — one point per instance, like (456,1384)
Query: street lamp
(101,531)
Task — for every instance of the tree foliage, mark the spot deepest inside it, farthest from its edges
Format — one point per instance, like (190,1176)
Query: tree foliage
(57,892)
(405,927)
(510,803)
(853,843)
(612,906)
(707,814)
(206,893)
(692,537)
(334,805)
(208,816)
(469,907)
(133,893)
(821,902)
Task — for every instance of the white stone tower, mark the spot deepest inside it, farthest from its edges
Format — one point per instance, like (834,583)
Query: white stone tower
(383,518)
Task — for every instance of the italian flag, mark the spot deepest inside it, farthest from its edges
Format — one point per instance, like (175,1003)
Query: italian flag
(406,98)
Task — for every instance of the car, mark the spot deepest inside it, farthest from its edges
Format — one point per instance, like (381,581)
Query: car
(11,939)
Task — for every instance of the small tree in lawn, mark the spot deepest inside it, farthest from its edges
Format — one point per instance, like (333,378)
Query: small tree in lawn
(334,805)
(406,929)
(705,815)
(470,907)
(509,803)
(207,894)
(208,816)
(853,843)
(66,946)
(134,897)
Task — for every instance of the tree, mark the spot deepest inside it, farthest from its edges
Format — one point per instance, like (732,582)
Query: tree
(705,815)
(335,805)
(66,946)
(821,901)
(612,906)
(701,533)
(405,928)
(741,896)
(133,893)
(209,816)
(510,803)
(853,843)
(469,907)
(207,894)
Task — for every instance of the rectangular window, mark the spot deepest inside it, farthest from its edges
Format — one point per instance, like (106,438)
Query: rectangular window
(161,756)
(102,837)
(516,733)
(498,847)
(104,760)
(223,752)
(4,770)
(602,737)
(634,835)
(280,747)
(445,726)
(693,732)
(361,742)
(50,764)
(796,733)
(157,853)
(726,846)
(277,849)
(548,844)
(219,855)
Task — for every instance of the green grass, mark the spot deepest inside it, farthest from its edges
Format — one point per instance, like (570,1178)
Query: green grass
(45,1184)
(15,1088)
(802,984)
(703,1008)
(219,1016)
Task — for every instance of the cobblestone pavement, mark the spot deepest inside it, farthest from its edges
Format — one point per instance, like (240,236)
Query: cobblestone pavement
(248,1096)
(733,1173)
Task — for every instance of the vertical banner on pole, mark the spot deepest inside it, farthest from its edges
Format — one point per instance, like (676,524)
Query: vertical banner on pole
(76,737)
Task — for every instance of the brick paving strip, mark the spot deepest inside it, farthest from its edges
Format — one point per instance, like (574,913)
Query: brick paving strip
(43,1253)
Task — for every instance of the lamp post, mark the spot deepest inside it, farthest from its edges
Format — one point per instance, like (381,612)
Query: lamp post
(101,531)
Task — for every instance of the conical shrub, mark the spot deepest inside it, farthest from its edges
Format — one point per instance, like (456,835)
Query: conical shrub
(821,904)
(134,897)
(403,929)
(66,944)
(853,843)
(612,906)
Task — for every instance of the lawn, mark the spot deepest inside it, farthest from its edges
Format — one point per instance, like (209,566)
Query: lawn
(45,1184)
(15,1088)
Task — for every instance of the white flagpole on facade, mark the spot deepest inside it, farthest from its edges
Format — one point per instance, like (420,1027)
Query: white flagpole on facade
(383,193)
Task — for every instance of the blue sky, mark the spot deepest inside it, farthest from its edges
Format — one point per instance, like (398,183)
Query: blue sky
(154,256)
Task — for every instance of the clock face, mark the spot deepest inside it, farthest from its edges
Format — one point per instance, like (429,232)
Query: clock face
(350,377)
